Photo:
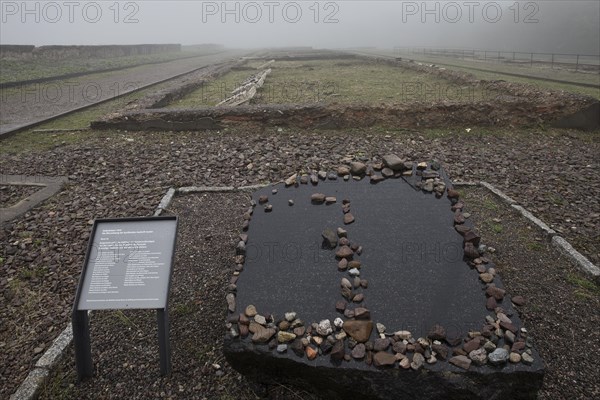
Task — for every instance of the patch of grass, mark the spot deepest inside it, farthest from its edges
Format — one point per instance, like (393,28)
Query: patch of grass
(37,272)
(557,199)
(534,246)
(120,315)
(59,386)
(495,227)
(331,81)
(490,204)
(183,309)
(584,287)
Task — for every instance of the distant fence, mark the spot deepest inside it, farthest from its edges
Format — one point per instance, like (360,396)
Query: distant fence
(576,62)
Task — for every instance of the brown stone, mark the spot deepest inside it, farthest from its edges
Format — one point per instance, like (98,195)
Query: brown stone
(441,351)
(518,347)
(461,362)
(383,359)
(337,352)
(495,292)
(399,347)
(250,311)
(243,319)
(462,229)
(358,352)
(284,325)
(317,198)
(393,162)
(344,252)
(343,264)
(458,206)
(471,345)
(311,352)
(358,168)
(244,330)
(508,326)
(354,264)
(358,298)
(362,313)
(381,344)
(491,303)
(518,300)
(348,218)
(470,250)
(486,277)
(437,332)
(358,330)
(261,334)
(299,331)
(340,306)
(459,218)
(472,237)
(453,194)
(376,178)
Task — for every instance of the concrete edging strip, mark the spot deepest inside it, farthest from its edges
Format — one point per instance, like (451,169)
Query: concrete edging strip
(564,247)
(498,193)
(49,186)
(165,201)
(549,231)
(576,257)
(30,387)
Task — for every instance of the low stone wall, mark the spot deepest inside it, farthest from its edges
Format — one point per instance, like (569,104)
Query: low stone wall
(66,52)
(503,113)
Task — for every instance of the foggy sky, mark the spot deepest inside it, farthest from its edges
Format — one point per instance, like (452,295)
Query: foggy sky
(540,26)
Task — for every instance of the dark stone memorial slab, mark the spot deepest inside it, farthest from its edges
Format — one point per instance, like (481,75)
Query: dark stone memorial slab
(405,279)
(127,265)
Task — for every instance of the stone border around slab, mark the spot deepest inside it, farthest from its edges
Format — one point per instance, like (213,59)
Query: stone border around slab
(49,186)
(29,389)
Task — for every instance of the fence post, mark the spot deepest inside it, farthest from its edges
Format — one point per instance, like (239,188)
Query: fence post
(485,55)
(552,65)
(498,57)
(513,56)
(531,59)
(577,64)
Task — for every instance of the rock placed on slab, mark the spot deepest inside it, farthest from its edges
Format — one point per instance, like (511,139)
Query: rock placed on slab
(330,239)
(461,362)
(358,330)
(393,162)
(383,359)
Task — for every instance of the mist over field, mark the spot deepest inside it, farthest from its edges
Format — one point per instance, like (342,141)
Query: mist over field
(537,26)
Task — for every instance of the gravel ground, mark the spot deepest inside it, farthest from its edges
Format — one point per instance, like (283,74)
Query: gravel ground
(27,104)
(554,174)
(12,194)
